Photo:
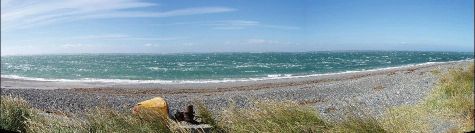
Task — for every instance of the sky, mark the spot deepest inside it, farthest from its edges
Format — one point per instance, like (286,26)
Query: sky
(192,26)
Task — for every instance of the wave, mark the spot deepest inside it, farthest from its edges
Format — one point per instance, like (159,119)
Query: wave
(269,77)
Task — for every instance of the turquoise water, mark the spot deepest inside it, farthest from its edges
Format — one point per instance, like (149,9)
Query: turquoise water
(170,68)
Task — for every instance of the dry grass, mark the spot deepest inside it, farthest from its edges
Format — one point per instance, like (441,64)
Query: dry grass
(355,124)
(435,72)
(42,122)
(207,117)
(453,98)
(108,120)
(14,112)
(18,116)
(272,117)
(451,101)
(406,118)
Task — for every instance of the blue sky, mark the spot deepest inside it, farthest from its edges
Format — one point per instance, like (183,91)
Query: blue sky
(176,26)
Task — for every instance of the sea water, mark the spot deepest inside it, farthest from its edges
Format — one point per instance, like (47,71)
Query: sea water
(209,67)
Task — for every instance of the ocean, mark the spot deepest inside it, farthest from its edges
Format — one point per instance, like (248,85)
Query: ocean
(209,67)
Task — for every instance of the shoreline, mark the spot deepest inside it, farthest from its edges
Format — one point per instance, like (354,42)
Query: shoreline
(225,80)
(329,94)
(41,83)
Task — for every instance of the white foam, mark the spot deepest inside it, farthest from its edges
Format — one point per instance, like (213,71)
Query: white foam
(269,77)
(273,75)
(157,69)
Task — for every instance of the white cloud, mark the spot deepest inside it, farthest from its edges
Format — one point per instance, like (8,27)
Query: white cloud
(256,41)
(261,41)
(122,37)
(236,23)
(30,13)
(403,43)
(228,28)
(153,38)
(102,37)
(151,45)
(242,24)
(72,45)
(178,12)
(282,27)
(232,25)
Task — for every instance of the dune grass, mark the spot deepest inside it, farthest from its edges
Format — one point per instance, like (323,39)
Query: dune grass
(406,118)
(14,112)
(42,122)
(206,116)
(17,115)
(357,124)
(450,101)
(272,117)
(108,120)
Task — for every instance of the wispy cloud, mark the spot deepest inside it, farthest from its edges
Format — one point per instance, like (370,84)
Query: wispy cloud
(151,45)
(122,37)
(29,13)
(281,27)
(243,24)
(403,43)
(256,41)
(73,45)
(101,37)
(232,25)
(263,42)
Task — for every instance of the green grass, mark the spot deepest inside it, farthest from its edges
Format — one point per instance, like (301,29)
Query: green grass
(207,117)
(450,101)
(435,72)
(17,115)
(272,117)
(14,112)
(357,124)
(406,118)
(54,123)
(108,120)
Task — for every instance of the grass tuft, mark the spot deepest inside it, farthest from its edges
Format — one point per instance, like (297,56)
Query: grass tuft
(42,122)
(406,118)
(207,117)
(272,117)
(453,97)
(108,120)
(14,113)
(356,124)
(451,101)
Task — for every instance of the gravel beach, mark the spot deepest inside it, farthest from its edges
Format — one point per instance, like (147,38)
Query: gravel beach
(372,91)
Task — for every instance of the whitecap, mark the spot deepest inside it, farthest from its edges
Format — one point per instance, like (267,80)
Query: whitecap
(269,77)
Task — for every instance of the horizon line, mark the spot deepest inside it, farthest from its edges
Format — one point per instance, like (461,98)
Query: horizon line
(172,53)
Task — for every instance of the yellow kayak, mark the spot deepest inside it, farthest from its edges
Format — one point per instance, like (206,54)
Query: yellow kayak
(155,105)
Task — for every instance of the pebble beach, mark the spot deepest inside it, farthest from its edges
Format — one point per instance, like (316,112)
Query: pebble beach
(372,91)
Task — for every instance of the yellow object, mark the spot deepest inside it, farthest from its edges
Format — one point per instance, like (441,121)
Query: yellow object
(155,105)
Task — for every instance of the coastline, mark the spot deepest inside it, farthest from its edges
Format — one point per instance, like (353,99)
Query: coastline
(330,94)
(17,82)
